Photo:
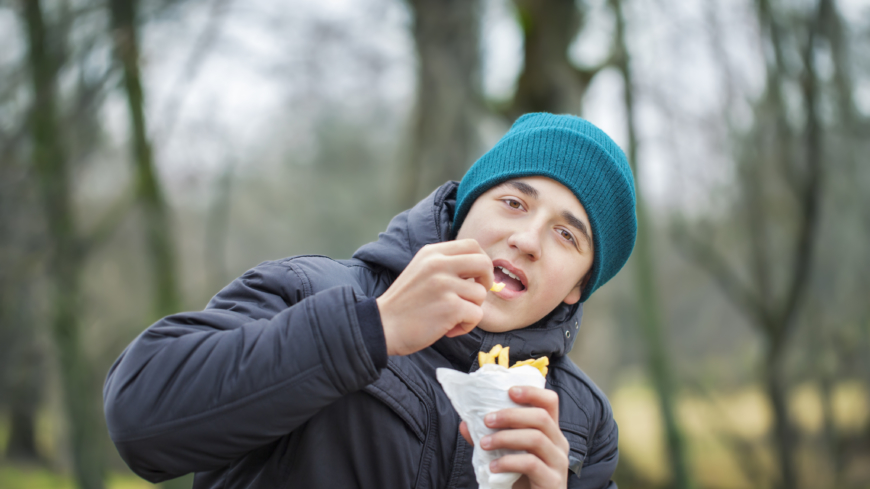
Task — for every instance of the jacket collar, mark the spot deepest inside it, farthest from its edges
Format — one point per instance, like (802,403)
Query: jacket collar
(430,222)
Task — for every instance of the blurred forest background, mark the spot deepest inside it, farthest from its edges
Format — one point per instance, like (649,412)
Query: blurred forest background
(152,150)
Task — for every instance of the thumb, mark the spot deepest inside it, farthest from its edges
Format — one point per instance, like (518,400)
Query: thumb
(459,330)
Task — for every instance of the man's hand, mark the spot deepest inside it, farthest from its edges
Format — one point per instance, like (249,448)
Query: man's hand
(534,429)
(434,297)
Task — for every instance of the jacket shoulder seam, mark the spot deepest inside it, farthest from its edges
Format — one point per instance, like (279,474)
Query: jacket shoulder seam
(339,262)
(570,394)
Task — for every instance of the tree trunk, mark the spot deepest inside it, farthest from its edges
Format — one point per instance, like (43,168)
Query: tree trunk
(645,281)
(51,169)
(217,227)
(157,223)
(784,438)
(21,360)
(444,140)
(549,82)
(21,446)
(774,311)
(24,368)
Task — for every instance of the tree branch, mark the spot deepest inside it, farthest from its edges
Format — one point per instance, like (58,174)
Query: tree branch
(709,259)
(811,190)
(586,74)
(110,222)
(86,99)
(831,26)
(776,70)
(177,95)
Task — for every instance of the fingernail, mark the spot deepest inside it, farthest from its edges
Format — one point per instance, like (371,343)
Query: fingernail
(490,419)
(517,391)
(493,466)
(485,442)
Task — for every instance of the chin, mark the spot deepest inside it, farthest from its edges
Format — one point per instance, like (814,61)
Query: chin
(493,329)
(498,325)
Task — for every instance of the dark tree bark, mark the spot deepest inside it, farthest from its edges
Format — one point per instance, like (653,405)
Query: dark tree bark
(53,173)
(550,82)
(158,227)
(444,140)
(22,363)
(772,307)
(21,359)
(217,227)
(648,302)
(21,446)
(150,194)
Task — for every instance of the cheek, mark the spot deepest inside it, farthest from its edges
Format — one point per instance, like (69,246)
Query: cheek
(564,274)
(483,234)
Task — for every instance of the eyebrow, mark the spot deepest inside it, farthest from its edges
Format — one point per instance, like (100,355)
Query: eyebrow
(574,222)
(524,188)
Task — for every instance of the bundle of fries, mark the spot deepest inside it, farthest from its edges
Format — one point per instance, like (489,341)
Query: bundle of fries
(501,354)
(484,391)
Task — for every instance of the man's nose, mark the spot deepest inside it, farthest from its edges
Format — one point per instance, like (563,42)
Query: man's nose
(527,241)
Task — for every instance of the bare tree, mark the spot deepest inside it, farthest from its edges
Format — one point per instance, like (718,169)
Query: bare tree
(775,156)
(51,167)
(149,191)
(444,140)
(550,81)
(648,301)
(21,357)
(22,372)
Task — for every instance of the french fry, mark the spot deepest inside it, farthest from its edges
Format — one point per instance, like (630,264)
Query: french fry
(497,287)
(524,362)
(539,363)
(482,358)
(503,357)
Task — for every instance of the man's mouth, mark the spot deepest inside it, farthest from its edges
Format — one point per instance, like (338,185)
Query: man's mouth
(512,281)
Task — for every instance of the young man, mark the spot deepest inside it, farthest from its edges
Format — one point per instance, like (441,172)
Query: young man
(311,372)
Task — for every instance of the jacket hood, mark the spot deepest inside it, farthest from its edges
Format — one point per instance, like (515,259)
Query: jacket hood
(429,222)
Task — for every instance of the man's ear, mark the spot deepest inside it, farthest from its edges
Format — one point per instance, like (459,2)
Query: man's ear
(574,295)
(577,291)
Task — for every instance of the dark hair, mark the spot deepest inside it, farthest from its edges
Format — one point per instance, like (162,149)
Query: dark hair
(584,281)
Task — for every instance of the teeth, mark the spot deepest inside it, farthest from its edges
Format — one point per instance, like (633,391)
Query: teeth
(509,274)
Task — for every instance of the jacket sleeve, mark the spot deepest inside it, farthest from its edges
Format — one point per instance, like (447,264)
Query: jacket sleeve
(198,390)
(600,462)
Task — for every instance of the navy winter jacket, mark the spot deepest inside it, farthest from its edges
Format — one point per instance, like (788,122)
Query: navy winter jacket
(273,384)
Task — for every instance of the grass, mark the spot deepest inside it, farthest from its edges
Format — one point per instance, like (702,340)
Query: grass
(743,416)
(19,477)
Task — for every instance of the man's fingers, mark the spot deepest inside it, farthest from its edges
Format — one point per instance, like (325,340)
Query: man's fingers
(537,397)
(455,247)
(459,330)
(477,266)
(526,463)
(529,440)
(528,418)
(473,263)
(471,291)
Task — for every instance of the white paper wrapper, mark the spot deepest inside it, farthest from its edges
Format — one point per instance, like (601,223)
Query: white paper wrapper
(477,394)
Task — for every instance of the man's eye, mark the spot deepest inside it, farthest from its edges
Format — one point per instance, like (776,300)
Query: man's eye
(567,235)
(514,204)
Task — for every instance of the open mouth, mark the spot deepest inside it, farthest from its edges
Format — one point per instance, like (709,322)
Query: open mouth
(511,281)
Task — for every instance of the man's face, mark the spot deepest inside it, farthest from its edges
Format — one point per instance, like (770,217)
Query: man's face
(535,229)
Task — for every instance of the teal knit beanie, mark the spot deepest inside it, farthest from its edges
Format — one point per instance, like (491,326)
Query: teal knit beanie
(575,153)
